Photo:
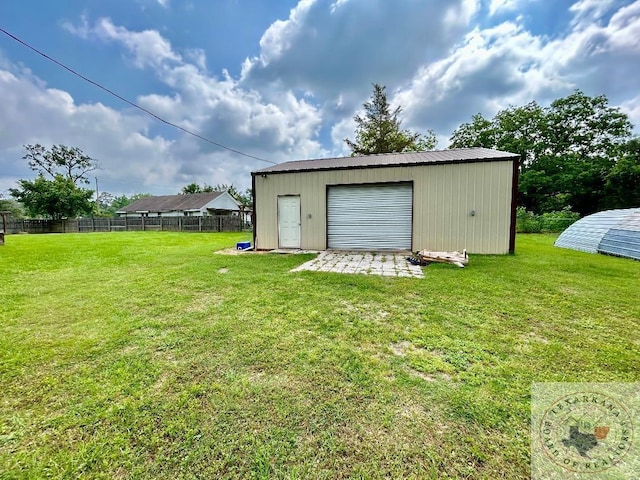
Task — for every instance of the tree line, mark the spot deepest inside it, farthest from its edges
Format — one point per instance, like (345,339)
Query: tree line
(577,155)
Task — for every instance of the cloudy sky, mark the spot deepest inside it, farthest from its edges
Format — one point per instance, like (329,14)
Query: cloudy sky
(282,80)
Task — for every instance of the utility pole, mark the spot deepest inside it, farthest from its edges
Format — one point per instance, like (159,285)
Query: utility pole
(97,197)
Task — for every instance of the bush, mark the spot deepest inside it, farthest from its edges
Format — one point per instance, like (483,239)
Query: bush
(529,222)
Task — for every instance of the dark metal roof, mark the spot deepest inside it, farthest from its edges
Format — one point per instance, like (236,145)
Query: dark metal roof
(168,203)
(454,155)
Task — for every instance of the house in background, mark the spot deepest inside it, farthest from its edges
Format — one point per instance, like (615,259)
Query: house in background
(190,205)
(439,200)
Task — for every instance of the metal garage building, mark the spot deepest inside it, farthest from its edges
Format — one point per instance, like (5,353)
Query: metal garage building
(438,200)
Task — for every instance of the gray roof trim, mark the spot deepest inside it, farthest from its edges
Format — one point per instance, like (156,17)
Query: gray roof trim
(404,159)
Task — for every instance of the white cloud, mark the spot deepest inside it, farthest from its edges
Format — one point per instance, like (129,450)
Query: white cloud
(507,65)
(148,47)
(345,128)
(590,11)
(277,126)
(279,37)
(341,47)
(632,108)
(493,68)
(500,6)
(33,113)
(198,57)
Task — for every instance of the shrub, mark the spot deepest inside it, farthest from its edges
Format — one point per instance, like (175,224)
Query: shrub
(529,222)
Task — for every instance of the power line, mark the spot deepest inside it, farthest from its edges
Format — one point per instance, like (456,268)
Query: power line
(135,105)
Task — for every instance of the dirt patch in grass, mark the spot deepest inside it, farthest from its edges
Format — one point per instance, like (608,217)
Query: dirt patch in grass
(160,383)
(235,252)
(203,302)
(400,349)
(424,376)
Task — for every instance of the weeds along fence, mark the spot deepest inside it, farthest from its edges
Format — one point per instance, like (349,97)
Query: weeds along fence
(219,223)
(552,222)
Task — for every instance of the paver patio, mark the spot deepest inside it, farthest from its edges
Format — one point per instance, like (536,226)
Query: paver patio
(388,264)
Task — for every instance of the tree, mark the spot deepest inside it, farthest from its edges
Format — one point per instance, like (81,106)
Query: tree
(14,208)
(110,204)
(59,195)
(479,133)
(69,162)
(123,200)
(195,188)
(567,149)
(622,183)
(245,198)
(58,198)
(379,130)
(582,139)
(105,200)
(515,130)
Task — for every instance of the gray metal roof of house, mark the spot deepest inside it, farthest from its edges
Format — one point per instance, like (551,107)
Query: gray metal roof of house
(615,232)
(169,203)
(454,155)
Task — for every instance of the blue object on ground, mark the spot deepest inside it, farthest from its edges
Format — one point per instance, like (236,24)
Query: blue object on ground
(243,245)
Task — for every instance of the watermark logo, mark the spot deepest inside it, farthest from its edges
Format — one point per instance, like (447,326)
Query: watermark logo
(584,430)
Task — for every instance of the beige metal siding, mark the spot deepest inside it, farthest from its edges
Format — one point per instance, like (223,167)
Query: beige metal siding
(444,196)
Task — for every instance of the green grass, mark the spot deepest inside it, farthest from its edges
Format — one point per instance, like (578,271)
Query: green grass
(146,355)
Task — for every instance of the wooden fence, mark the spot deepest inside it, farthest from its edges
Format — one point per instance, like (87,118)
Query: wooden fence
(226,223)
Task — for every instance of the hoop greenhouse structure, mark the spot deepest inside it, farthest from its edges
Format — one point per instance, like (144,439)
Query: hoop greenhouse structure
(612,232)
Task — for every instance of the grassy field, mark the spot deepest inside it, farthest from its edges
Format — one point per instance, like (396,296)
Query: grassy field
(146,355)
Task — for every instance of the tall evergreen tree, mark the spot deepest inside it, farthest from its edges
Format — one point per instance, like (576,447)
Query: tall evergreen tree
(378,131)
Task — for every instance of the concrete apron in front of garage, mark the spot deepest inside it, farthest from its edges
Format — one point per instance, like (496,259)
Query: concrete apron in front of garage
(388,264)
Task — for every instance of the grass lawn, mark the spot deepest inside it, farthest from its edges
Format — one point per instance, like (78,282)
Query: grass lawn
(146,355)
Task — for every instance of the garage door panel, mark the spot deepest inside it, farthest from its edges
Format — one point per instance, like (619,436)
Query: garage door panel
(369,217)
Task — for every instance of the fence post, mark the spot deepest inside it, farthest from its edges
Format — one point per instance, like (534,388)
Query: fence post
(126,223)
(199,224)
(161,227)
(179,224)
(108,224)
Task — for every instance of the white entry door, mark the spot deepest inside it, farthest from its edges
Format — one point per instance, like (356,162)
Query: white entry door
(289,221)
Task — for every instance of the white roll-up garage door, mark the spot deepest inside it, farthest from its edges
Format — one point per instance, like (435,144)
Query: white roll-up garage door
(370,217)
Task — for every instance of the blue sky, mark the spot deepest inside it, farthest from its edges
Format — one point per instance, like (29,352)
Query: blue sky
(282,80)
